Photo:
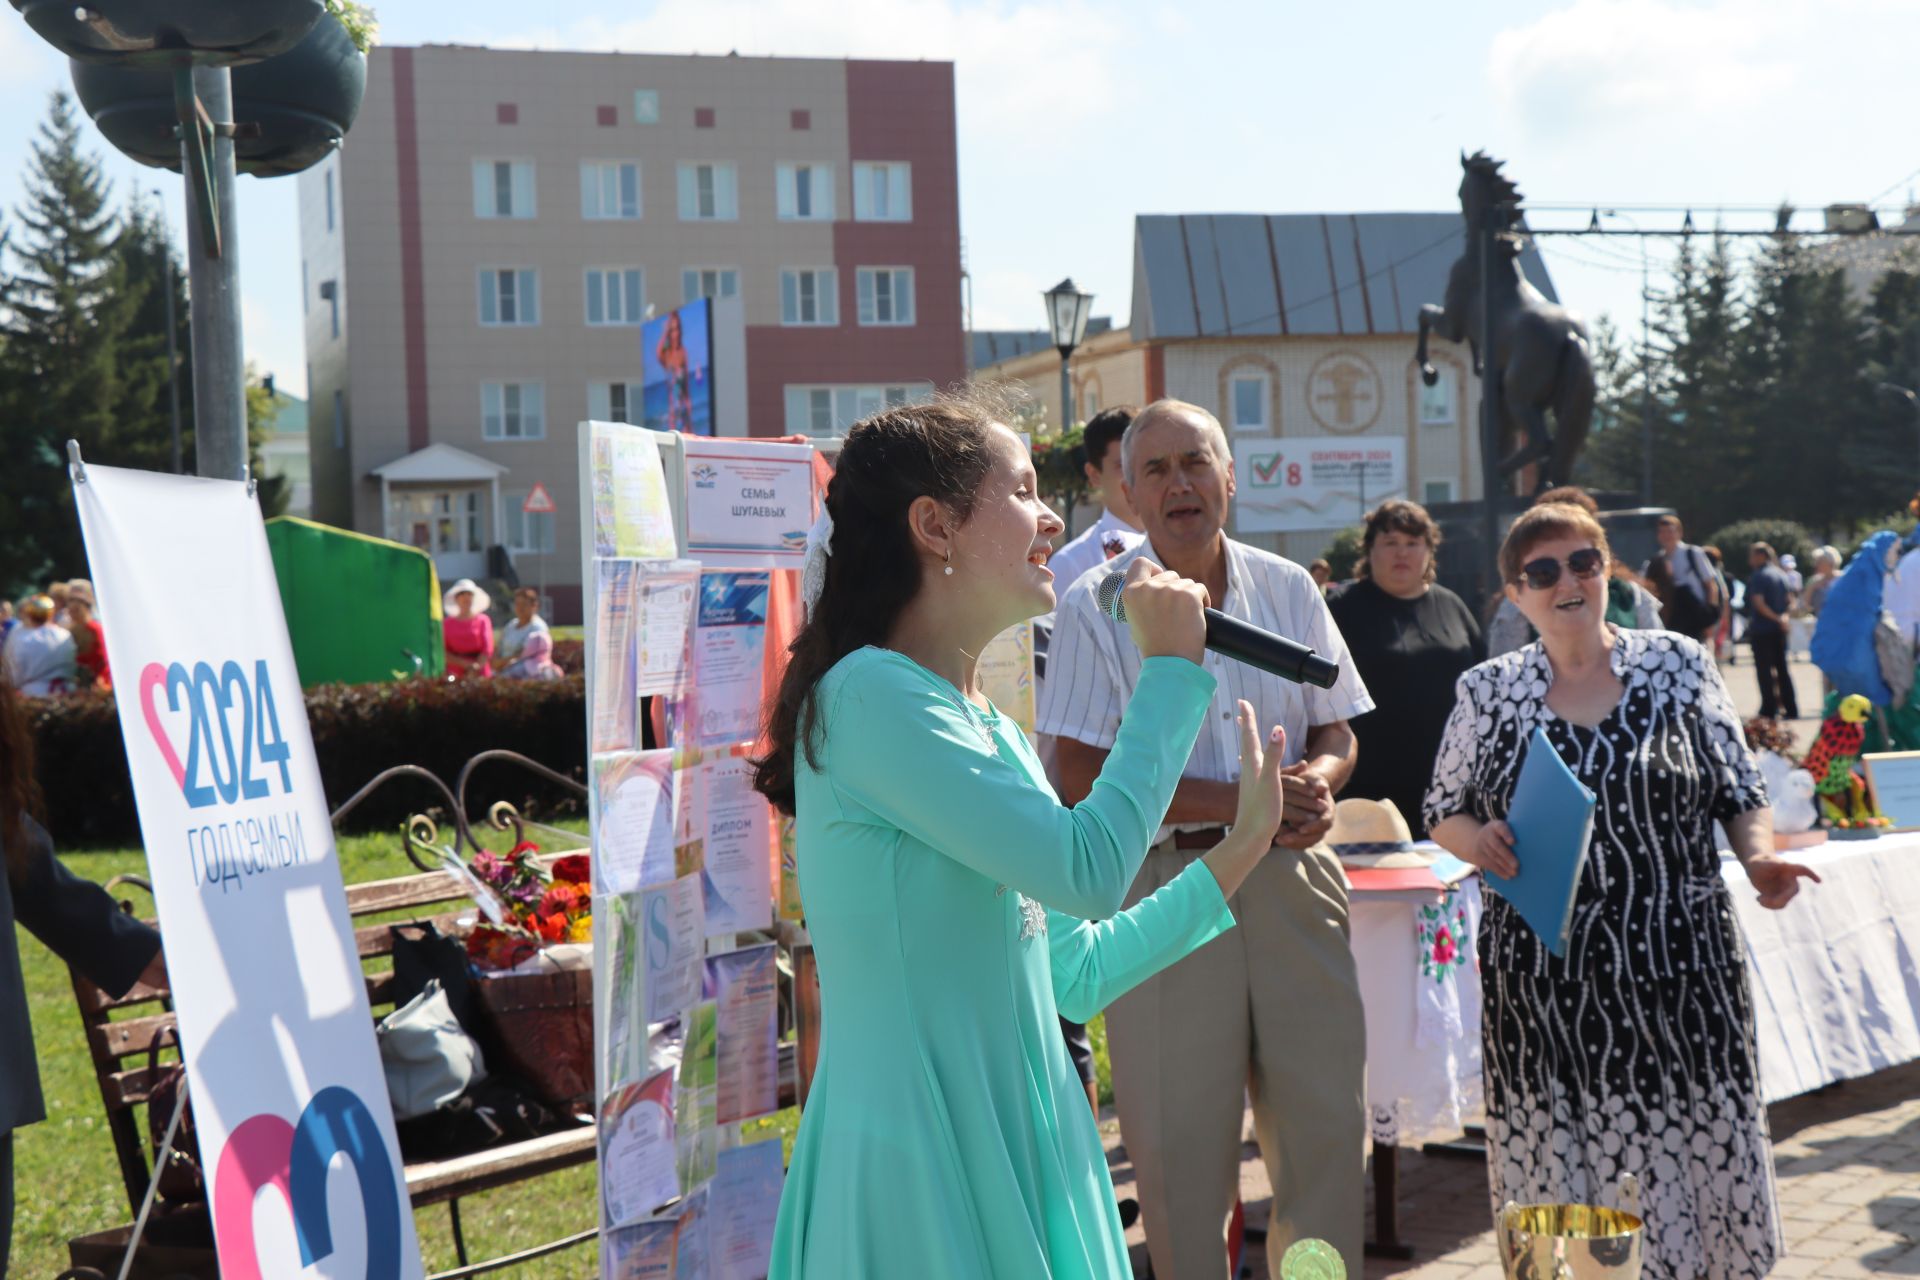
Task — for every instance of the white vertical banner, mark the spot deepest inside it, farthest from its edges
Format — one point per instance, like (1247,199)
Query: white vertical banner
(287,1088)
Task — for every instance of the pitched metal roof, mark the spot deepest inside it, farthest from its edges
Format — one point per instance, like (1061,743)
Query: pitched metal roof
(1208,275)
(989,346)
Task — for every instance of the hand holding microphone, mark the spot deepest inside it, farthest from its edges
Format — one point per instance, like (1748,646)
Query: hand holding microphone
(1242,641)
(1164,611)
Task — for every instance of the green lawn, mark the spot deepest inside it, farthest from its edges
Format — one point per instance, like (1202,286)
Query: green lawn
(68,1184)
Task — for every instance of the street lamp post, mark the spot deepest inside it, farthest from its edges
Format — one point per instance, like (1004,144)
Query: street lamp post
(1067,310)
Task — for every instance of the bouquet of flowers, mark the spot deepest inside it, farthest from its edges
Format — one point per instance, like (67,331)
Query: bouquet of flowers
(537,909)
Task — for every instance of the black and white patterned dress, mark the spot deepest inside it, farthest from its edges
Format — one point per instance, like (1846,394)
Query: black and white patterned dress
(1633,1053)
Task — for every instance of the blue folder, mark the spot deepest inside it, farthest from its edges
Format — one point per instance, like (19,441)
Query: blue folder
(1552,821)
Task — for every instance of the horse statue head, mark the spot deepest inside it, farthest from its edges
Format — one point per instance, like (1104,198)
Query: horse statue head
(1482,185)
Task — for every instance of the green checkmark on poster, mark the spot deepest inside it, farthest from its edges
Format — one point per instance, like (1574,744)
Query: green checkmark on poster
(1264,469)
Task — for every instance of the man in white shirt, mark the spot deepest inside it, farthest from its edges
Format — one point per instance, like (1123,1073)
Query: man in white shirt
(1117,529)
(1695,607)
(1273,1005)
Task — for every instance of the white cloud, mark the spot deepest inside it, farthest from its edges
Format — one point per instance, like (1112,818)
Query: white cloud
(1025,68)
(1602,64)
(273,341)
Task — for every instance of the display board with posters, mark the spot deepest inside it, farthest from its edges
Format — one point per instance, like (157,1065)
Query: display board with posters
(1292,485)
(686,866)
(275,1028)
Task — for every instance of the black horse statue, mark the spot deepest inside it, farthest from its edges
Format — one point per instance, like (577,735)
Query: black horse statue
(1541,357)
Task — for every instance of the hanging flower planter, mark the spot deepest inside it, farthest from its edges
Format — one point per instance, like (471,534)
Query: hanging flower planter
(161,33)
(302,102)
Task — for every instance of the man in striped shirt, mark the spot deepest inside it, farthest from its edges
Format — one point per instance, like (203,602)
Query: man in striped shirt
(1273,1005)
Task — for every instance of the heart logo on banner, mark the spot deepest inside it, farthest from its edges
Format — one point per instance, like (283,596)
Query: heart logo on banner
(153,677)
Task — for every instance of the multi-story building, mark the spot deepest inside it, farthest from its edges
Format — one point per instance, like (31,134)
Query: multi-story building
(1297,331)
(478,258)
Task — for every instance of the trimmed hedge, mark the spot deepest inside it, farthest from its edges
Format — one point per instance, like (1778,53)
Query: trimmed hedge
(1785,537)
(358,731)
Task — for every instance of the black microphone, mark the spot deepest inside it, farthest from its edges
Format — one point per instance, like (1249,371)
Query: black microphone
(1241,641)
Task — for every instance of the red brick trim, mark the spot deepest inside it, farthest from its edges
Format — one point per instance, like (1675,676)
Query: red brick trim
(506,113)
(1156,373)
(801,120)
(606,117)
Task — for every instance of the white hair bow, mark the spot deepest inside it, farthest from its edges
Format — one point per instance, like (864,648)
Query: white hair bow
(813,577)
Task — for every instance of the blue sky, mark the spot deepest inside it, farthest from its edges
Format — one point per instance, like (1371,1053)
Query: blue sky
(1075,115)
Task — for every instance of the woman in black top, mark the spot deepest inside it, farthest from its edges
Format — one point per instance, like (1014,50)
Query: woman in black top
(1410,639)
(1634,1051)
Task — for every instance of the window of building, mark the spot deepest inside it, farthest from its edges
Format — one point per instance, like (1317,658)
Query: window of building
(1437,401)
(616,295)
(606,117)
(804,192)
(1432,491)
(709,282)
(883,192)
(513,410)
(800,119)
(339,419)
(886,295)
(830,410)
(503,189)
(810,296)
(509,296)
(438,522)
(609,189)
(330,290)
(528,533)
(708,193)
(616,401)
(329,181)
(1248,411)
(646,106)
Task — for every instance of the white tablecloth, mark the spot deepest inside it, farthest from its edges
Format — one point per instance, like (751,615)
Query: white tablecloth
(1835,976)
(1836,988)
(1423,1014)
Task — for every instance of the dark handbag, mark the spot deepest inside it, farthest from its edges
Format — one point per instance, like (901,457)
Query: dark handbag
(181,1180)
(421,953)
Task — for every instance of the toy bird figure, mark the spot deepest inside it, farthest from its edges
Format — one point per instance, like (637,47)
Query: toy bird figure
(1835,754)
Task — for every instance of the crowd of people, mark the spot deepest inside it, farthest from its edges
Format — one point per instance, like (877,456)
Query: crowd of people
(943,1105)
(52,642)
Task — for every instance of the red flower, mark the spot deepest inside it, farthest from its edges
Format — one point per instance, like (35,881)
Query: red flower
(492,948)
(552,928)
(562,899)
(1443,948)
(575,868)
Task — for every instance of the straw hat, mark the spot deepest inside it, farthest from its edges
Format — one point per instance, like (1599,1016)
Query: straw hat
(481,600)
(1371,833)
(80,589)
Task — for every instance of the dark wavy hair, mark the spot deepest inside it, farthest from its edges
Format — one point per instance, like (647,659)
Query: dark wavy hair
(19,791)
(940,450)
(1399,516)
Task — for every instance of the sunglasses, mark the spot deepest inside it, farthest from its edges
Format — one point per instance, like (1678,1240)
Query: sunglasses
(1541,574)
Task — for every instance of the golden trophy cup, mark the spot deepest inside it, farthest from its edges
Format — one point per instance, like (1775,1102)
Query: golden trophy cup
(1573,1241)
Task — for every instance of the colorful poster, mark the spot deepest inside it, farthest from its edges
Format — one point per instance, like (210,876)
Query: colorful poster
(789,889)
(615,710)
(631,514)
(734,857)
(638,1150)
(676,353)
(729,651)
(667,590)
(673,935)
(745,988)
(741,1207)
(693,1262)
(633,827)
(697,1095)
(643,1251)
(273,1014)
(749,503)
(1006,674)
(617,944)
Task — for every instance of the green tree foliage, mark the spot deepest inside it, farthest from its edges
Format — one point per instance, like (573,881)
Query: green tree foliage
(1786,538)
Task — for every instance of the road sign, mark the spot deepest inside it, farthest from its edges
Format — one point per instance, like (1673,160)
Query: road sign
(539,502)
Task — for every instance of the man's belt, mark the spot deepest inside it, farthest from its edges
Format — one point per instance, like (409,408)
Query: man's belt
(1204,838)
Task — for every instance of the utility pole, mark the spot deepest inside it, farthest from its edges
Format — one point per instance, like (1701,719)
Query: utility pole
(213,274)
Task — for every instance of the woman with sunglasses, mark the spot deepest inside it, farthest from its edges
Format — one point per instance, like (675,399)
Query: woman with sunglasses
(1633,1052)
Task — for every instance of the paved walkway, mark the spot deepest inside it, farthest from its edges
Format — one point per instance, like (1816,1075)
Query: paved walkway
(1848,1160)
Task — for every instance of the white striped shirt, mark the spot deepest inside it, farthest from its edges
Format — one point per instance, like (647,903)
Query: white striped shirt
(1093,665)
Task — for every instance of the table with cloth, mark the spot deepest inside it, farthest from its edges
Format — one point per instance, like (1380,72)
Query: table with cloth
(1835,977)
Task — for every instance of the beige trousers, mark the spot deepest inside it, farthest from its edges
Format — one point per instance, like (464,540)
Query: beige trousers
(1271,1008)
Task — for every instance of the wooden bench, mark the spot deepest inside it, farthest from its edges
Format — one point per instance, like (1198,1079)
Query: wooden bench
(121,1033)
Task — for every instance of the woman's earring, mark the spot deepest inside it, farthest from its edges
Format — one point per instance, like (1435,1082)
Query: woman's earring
(949,568)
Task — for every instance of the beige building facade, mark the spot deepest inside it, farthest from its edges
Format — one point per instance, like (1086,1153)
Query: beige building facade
(478,259)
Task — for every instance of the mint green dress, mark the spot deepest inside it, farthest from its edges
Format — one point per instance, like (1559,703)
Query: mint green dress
(948,893)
